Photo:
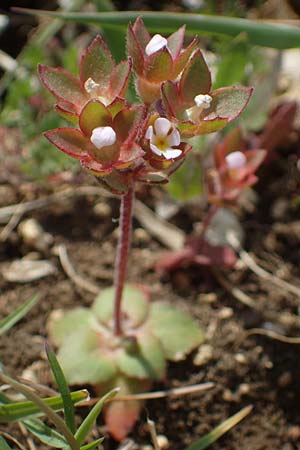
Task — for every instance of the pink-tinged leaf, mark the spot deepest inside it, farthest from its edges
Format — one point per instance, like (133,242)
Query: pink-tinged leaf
(228,102)
(116,106)
(120,78)
(66,114)
(70,141)
(96,168)
(112,183)
(183,58)
(147,91)
(126,123)
(170,261)
(94,115)
(170,98)
(254,159)
(141,32)
(195,78)
(121,416)
(63,85)
(159,66)
(175,41)
(135,51)
(152,177)
(96,63)
(212,255)
(233,141)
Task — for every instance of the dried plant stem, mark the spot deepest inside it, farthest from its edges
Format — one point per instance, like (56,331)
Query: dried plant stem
(259,271)
(121,262)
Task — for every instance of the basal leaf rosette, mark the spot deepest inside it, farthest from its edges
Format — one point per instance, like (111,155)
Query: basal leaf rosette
(105,144)
(196,109)
(99,78)
(156,59)
(234,169)
(89,352)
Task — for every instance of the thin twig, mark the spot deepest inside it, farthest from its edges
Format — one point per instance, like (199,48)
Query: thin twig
(153,434)
(233,290)
(13,222)
(272,335)
(259,271)
(78,280)
(24,432)
(174,392)
(12,439)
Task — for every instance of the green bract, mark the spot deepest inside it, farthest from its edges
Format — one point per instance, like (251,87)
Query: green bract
(89,352)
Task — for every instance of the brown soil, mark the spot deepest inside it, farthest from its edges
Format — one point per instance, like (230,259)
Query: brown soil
(256,370)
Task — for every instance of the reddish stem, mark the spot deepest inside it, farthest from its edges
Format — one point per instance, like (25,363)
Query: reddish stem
(121,261)
(211,213)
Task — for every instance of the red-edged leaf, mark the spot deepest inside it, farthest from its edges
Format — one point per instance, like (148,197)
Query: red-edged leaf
(195,78)
(175,41)
(120,78)
(66,114)
(62,84)
(183,58)
(96,63)
(116,106)
(232,141)
(189,129)
(228,102)
(94,115)
(70,141)
(254,159)
(95,167)
(141,32)
(126,123)
(159,66)
(170,98)
(135,51)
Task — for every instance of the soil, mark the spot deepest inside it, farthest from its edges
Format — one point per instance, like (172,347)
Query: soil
(256,370)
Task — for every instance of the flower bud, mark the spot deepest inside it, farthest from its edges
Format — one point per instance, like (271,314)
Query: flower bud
(156,43)
(235,160)
(103,136)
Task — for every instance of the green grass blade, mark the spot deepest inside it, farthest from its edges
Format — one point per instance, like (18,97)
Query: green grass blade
(93,445)
(90,419)
(19,410)
(4,445)
(45,434)
(221,429)
(262,33)
(10,320)
(63,389)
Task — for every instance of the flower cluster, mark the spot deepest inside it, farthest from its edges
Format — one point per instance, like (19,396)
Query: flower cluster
(122,143)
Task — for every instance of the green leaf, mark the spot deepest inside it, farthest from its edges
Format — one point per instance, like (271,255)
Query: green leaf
(82,359)
(176,330)
(3,444)
(10,320)
(145,360)
(278,36)
(92,445)
(195,78)
(63,389)
(159,66)
(45,434)
(61,324)
(14,411)
(228,102)
(89,421)
(221,429)
(135,305)
(93,115)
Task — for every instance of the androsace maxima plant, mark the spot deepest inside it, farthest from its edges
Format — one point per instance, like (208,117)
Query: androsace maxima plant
(124,340)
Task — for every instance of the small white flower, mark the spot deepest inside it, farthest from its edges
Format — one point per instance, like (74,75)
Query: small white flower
(202,101)
(163,137)
(236,160)
(103,136)
(156,43)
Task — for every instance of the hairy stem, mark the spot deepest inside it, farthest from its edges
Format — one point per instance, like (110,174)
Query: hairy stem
(122,257)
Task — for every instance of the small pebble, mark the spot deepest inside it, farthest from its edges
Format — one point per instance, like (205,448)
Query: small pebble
(163,441)
(225,313)
(102,210)
(244,389)
(294,433)
(141,236)
(240,358)
(284,379)
(204,355)
(207,298)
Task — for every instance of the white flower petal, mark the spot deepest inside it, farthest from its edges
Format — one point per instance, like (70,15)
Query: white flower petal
(149,132)
(236,160)
(174,138)
(162,126)
(155,44)
(155,150)
(103,136)
(171,153)
(203,100)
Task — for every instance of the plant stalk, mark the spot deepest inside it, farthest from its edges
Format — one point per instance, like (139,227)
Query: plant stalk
(121,262)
